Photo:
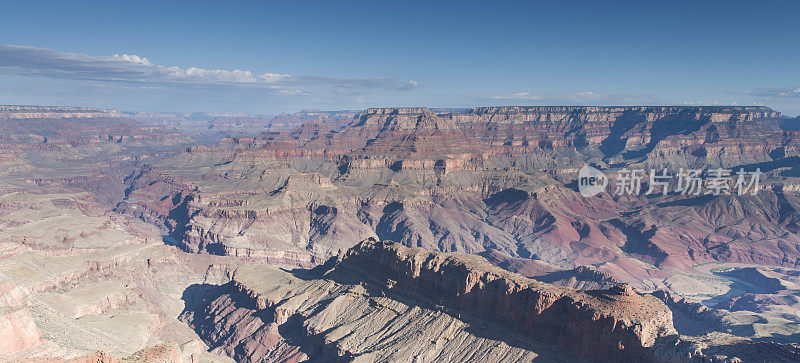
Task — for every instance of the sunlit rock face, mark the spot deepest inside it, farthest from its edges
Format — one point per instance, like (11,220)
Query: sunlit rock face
(381,301)
(481,180)
(398,303)
(113,226)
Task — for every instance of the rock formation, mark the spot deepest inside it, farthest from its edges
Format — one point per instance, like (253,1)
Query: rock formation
(481,180)
(374,297)
(383,301)
(111,225)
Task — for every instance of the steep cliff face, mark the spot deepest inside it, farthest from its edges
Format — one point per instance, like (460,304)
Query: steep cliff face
(480,180)
(617,322)
(791,124)
(628,132)
(18,332)
(76,278)
(367,305)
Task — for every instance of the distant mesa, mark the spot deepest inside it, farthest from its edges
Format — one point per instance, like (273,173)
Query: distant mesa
(24,112)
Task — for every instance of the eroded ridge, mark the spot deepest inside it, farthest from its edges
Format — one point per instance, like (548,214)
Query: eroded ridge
(380,300)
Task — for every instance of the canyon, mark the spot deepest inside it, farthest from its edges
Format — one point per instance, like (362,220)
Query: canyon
(395,234)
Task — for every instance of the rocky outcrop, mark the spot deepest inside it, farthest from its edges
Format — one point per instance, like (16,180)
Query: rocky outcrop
(76,278)
(764,280)
(18,332)
(480,180)
(580,278)
(455,292)
(791,124)
(602,325)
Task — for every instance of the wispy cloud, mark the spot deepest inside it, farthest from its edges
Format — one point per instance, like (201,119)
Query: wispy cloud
(778,92)
(135,69)
(709,103)
(575,98)
(518,96)
(599,98)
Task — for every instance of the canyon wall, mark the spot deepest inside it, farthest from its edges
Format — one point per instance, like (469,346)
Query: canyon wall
(479,180)
(451,298)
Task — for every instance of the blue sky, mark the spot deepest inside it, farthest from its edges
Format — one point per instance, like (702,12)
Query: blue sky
(283,56)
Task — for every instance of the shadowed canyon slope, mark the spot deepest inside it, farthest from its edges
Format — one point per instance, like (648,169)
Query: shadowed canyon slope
(144,237)
(437,307)
(385,302)
(480,180)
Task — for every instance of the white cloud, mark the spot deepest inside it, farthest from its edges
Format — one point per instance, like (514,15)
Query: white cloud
(132,68)
(219,75)
(778,92)
(790,93)
(518,96)
(575,98)
(133,59)
(200,74)
(709,103)
(598,98)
